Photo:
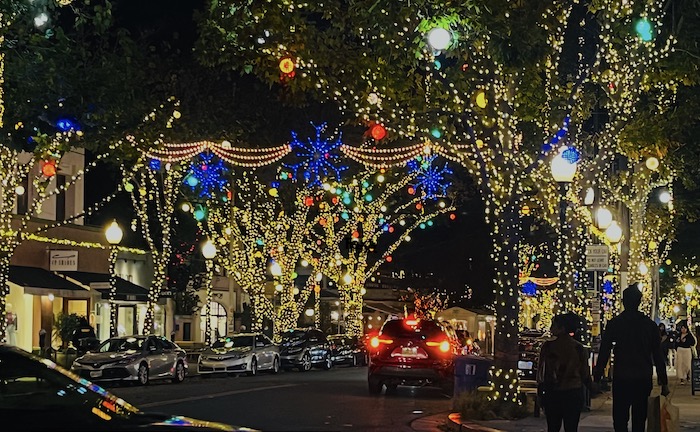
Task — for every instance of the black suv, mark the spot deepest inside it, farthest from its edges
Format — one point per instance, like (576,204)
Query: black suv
(348,350)
(304,349)
(412,351)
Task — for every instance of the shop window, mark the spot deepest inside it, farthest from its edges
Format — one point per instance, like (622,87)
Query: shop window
(217,319)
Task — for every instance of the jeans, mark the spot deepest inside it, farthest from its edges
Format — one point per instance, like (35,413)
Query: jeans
(632,394)
(563,406)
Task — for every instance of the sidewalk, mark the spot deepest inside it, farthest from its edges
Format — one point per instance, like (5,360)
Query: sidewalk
(599,419)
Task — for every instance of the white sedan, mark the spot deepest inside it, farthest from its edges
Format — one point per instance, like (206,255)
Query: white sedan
(242,353)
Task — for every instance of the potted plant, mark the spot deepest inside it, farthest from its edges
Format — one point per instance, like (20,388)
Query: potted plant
(64,326)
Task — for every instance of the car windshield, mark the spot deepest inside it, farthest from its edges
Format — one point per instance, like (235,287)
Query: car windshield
(33,385)
(412,328)
(121,345)
(294,335)
(233,342)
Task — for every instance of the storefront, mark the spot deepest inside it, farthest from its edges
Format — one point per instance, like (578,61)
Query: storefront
(36,298)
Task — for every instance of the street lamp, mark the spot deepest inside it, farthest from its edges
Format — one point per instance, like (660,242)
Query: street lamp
(604,218)
(614,232)
(275,269)
(563,167)
(114,235)
(209,252)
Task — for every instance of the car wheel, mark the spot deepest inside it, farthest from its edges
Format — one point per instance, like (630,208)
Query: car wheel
(179,375)
(305,363)
(375,385)
(253,367)
(275,365)
(328,364)
(142,374)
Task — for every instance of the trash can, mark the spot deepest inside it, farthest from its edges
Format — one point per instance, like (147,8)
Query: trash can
(471,372)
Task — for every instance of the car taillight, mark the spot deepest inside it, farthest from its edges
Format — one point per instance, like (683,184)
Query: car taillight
(412,322)
(444,346)
(376,341)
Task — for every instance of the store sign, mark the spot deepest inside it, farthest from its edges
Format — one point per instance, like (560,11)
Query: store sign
(63,260)
(167,294)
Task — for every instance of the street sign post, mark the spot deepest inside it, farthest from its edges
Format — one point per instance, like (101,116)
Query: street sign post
(597,258)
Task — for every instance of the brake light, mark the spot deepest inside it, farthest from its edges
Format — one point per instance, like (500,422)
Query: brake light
(444,345)
(412,322)
(375,341)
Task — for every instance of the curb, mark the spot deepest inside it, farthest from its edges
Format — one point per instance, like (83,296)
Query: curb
(456,424)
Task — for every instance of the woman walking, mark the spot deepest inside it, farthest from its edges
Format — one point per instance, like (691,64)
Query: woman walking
(562,373)
(684,352)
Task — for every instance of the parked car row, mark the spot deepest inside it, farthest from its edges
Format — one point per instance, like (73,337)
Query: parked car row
(141,359)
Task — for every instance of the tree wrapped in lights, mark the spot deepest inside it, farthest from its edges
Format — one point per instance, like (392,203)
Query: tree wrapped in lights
(361,223)
(684,292)
(455,74)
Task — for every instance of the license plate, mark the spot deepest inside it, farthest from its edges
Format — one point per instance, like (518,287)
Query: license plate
(95,374)
(409,351)
(525,365)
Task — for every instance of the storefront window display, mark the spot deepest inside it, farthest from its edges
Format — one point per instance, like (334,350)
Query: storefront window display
(217,318)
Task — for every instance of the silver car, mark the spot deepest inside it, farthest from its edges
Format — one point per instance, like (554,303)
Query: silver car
(133,358)
(241,353)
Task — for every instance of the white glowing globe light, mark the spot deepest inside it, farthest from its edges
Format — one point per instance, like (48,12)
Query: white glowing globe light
(643,268)
(295,291)
(652,163)
(19,190)
(563,171)
(209,249)
(665,197)
(689,288)
(309,312)
(363,291)
(613,233)
(605,218)
(114,233)
(439,38)
(590,196)
(279,287)
(347,278)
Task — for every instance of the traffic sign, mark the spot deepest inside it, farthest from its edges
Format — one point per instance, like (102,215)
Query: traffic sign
(597,258)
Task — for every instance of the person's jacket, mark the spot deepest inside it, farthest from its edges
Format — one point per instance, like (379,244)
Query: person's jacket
(563,364)
(688,342)
(637,348)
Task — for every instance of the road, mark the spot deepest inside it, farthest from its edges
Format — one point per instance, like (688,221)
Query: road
(335,400)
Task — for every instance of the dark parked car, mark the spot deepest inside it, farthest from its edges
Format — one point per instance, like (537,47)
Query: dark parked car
(348,350)
(304,349)
(412,351)
(134,358)
(38,395)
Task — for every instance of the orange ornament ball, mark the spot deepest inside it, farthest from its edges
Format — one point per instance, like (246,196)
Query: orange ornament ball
(355,234)
(391,229)
(419,206)
(322,221)
(287,65)
(378,132)
(411,190)
(453,216)
(309,201)
(389,259)
(48,168)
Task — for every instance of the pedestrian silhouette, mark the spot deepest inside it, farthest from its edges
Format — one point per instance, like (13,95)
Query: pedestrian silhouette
(637,349)
(562,373)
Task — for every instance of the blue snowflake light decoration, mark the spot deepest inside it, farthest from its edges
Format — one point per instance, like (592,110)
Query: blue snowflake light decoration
(207,176)
(318,160)
(154,164)
(529,288)
(571,155)
(431,180)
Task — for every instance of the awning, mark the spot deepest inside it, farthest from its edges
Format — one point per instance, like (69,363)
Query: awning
(126,291)
(38,281)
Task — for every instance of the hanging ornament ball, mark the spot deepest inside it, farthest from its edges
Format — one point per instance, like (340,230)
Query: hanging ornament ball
(668,262)
(322,221)
(192,181)
(154,164)
(368,198)
(128,187)
(465,67)
(652,163)
(389,258)
(334,200)
(419,206)
(391,229)
(48,168)
(309,201)
(435,132)
(287,65)
(177,114)
(273,192)
(481,100)
(142,191)
(411,190)
(355,234)
(439,38)
(453,216)
(378,132)
(653,245)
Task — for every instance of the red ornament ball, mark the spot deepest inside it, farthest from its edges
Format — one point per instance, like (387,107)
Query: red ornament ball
(391,229)
(453,216)
(411,190)
(309,201)
(48,168)
(389,259)
(378,132)
(419,206)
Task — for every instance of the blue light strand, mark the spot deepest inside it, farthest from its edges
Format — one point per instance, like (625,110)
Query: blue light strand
(561,133)
(431,180)
(210,176)
(319,162)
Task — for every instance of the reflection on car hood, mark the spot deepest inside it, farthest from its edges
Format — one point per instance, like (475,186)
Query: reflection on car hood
(293,342)
(228,350)
(106,357)
(186,423)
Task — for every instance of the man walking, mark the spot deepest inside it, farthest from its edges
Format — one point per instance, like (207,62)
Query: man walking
(637,349)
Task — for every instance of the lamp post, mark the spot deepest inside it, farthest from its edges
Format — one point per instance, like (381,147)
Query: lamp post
(563,167)
(114,235)
(209,252)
